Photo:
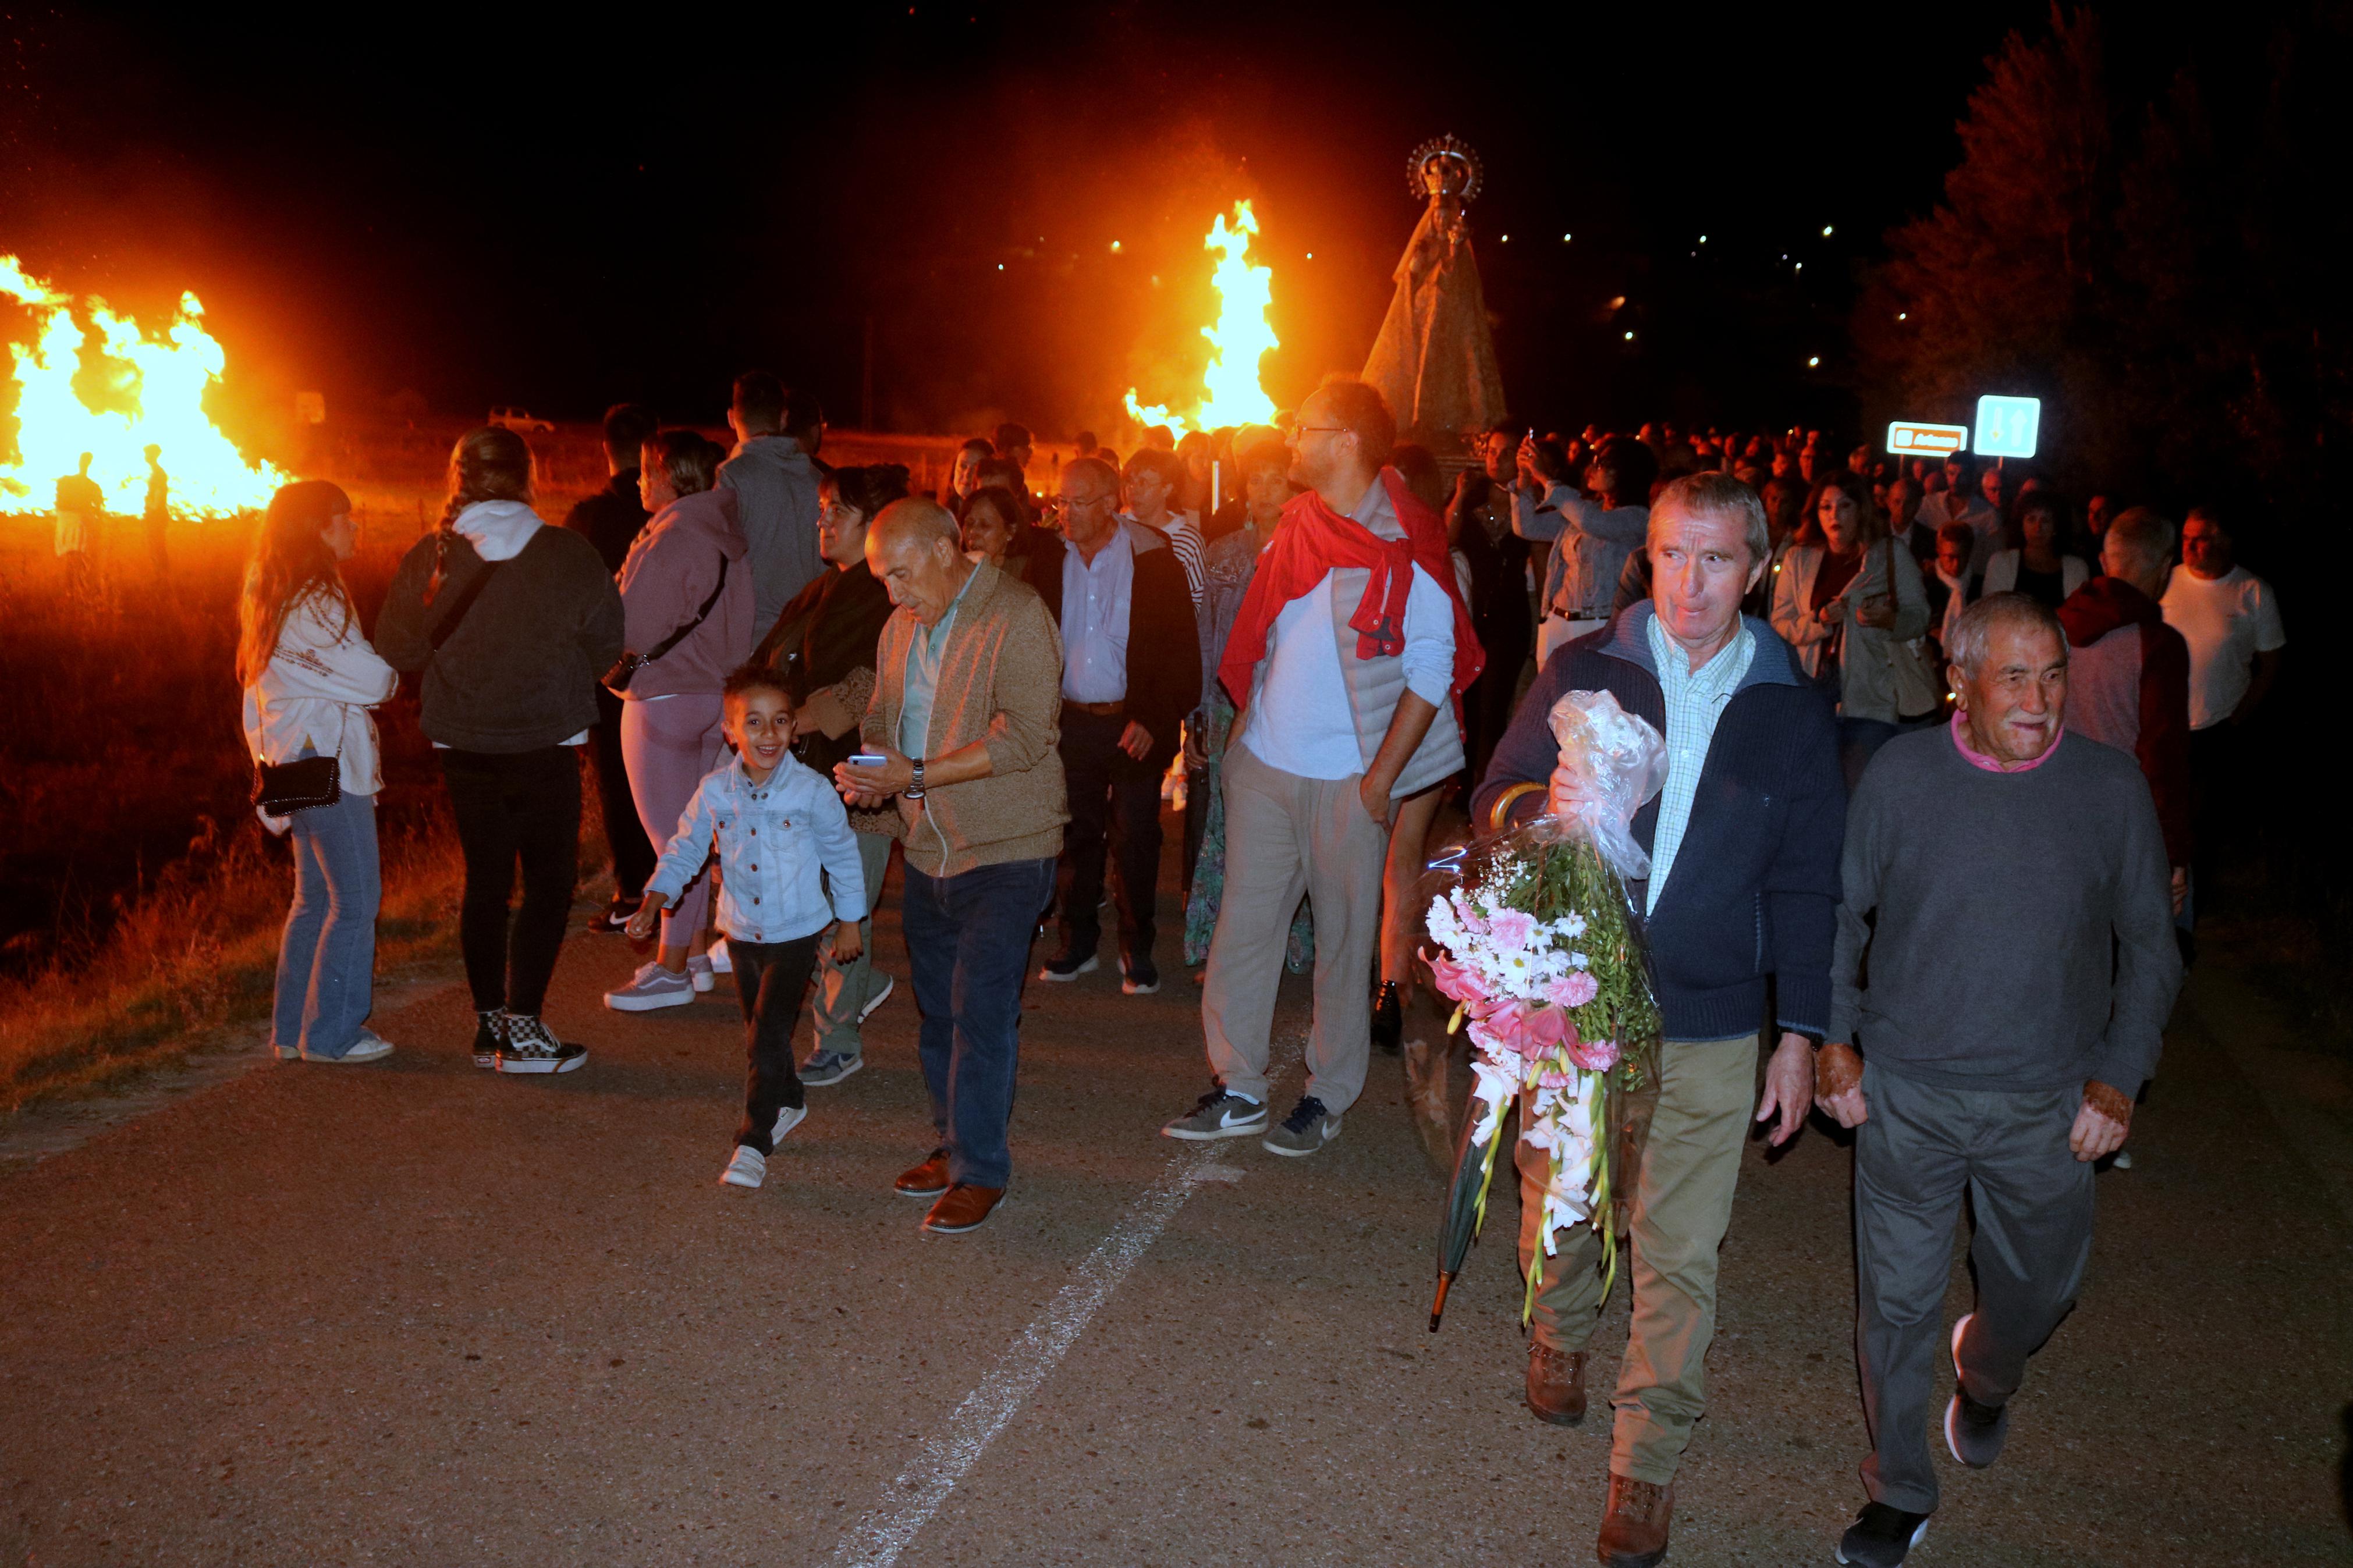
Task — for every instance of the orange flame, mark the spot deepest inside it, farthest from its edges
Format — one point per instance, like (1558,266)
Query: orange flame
(159,389)
(1239,339)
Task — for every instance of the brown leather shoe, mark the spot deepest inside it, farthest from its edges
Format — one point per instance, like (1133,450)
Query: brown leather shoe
(928,1180)
(1635,1529)
(962,1207)
(1556,1385)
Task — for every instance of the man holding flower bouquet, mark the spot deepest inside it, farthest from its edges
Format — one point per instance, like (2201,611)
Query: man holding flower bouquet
(1744,844)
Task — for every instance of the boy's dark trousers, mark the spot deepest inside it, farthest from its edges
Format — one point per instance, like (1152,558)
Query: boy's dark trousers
(770,977)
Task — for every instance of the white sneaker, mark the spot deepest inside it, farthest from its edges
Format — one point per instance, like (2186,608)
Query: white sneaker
(719,963)
(370,1047)
(699,973)
(890,983)
(749,1168)
(787,1118)
(652,986)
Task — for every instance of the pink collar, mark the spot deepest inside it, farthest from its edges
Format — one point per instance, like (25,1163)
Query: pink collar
(1978,759)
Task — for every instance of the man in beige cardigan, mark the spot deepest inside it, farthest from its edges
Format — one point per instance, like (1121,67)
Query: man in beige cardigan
(966,719)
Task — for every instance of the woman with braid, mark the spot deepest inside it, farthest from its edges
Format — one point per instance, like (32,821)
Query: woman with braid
(511,622)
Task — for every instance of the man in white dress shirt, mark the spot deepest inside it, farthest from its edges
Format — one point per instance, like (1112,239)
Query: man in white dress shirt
(1345,660)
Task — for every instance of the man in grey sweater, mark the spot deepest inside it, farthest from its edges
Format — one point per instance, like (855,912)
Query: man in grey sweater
(2014,1007)
(773,474)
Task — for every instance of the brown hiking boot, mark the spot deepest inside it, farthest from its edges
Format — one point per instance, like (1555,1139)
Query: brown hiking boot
(1556,1385)
(928,1180)
(963,1207)
(1635,1529)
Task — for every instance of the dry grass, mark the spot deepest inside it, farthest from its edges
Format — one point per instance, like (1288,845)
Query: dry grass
(139,901)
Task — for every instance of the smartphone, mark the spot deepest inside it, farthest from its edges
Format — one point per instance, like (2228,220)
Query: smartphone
(867,759)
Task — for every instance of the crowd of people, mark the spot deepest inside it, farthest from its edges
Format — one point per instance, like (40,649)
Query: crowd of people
(779,669)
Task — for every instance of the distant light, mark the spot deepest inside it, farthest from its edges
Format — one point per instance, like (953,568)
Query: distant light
(1114,248)
(1563,239)
(1903,315)
(1703,239)
(1311,256)
(1826,231)
(1813,361)
(1630,337)
(1507,239)
(1000,266)
(1619,303)
(1801,267)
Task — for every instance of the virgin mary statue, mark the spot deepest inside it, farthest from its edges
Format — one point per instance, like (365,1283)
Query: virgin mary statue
(1435,359)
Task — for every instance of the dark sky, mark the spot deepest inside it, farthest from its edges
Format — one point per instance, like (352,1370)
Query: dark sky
(496,205)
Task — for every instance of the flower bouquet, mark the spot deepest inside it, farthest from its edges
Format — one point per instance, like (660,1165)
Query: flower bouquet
(1544,959)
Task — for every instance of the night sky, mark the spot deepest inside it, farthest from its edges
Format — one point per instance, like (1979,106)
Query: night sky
(498,206)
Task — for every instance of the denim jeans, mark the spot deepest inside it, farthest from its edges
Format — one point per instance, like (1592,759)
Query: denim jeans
(326,961)
(968,951)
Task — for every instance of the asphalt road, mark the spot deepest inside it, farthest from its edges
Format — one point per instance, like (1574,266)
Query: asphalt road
(416,1313)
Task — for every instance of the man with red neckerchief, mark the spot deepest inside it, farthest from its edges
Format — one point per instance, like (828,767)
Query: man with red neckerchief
(1346,661)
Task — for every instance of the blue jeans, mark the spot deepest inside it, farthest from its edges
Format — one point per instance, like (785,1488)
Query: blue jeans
(968,951)
(326,962)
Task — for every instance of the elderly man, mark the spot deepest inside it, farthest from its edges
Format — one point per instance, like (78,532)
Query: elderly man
(1126,619)
(2012,1010)
(2128,673)
(968,695)
(1743,845)
(1346,659)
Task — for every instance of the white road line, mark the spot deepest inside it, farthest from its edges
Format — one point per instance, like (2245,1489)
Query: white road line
(917,1494)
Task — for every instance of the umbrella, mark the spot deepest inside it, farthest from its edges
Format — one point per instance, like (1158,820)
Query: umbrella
(1466,1205)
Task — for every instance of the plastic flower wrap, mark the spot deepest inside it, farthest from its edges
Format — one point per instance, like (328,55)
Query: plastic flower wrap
(1543,957)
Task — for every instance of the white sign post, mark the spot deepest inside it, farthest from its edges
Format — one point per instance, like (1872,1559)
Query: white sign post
(2007,426)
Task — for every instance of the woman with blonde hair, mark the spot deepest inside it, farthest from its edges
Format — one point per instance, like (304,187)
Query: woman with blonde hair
(1850,603)
(511,622)
(309,679)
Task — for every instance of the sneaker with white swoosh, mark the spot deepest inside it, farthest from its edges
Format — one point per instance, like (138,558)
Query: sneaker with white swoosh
(1220,1114)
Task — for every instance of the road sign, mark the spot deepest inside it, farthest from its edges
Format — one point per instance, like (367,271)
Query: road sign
(2007,426)
(1910,436)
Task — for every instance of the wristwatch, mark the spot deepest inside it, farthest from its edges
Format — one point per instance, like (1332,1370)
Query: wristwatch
(914,790)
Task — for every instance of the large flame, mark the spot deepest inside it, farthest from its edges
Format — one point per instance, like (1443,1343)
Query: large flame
(1240,338)
(154,395)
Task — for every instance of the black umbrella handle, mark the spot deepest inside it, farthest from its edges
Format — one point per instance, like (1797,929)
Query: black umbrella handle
(1438,1306)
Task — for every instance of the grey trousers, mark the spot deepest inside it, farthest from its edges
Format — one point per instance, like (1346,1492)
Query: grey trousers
(1924,1147)
(1287,836)
(843,989)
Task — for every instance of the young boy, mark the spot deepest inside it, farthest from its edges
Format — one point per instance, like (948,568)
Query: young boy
(777,825)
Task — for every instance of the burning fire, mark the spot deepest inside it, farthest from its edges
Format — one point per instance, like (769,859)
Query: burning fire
(1240,339)
(153,396)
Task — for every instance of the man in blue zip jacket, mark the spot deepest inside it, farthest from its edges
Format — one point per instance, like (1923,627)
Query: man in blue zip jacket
(1743,842)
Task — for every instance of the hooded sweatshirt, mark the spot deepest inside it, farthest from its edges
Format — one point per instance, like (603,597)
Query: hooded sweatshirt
(518,672)
(775,505)
(2129,687)
(671,571)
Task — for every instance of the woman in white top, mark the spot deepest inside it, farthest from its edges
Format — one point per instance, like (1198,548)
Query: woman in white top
(1847,600)
(310,678)
(2034,566)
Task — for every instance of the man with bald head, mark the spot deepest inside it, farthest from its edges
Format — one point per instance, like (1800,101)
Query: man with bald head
(963,733)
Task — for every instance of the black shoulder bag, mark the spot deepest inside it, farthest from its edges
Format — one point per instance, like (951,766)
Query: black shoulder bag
(617,679)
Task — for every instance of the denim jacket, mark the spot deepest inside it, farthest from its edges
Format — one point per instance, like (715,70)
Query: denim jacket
(774,838)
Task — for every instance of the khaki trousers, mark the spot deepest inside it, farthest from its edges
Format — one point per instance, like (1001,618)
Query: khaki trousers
(1683,1203)
(1287,836)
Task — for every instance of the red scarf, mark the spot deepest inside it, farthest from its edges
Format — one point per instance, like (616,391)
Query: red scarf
(1310,541)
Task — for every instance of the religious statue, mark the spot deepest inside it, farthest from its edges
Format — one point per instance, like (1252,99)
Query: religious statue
(1435,359)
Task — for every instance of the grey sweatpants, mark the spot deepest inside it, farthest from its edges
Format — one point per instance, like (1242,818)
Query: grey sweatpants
(1923,1147)
(844,989)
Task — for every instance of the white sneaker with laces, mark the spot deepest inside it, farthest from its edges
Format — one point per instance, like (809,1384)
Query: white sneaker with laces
(699,973)
(790,1117)
(890,983)
(370,1047)
(749,1168)
(652,986)
(719,963)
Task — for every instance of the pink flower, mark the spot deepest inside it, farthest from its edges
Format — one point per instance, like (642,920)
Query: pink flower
(1594,1056)
(1456,980)
(1572,990)
(1513,929)
(1553,1077)
(1506,1020)
(1549,1027)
